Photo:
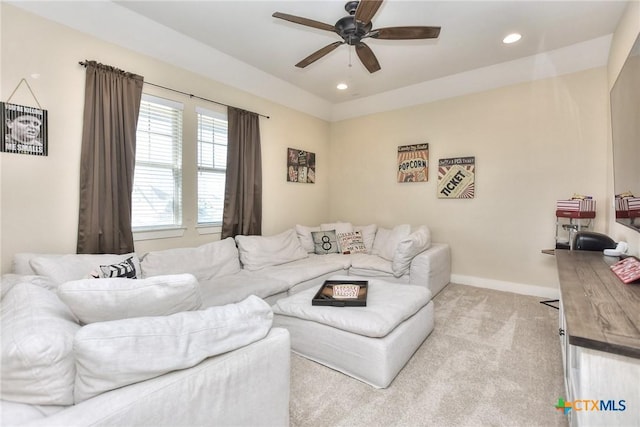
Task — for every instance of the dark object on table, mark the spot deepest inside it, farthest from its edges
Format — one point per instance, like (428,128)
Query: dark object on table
(591,241)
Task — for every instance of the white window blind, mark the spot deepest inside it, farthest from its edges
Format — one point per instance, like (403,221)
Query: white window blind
(212,165)
(157,184)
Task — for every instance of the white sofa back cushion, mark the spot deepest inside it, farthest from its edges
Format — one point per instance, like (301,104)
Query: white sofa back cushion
(386,241)
(207,261)
(99,300)
(37,342)
(304,235)
(257,252)
(408,248)
(63,268)
(122,352)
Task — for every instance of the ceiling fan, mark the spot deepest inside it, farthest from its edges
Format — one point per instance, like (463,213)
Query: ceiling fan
(358,26)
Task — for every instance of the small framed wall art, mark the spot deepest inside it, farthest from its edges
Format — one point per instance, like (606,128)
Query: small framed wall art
(23,129)
(301,166)
(413,163)
(457,178)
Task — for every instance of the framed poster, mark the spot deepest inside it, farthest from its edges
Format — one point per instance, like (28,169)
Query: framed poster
(456,178)
(413,163)
(23,129)
(301,166)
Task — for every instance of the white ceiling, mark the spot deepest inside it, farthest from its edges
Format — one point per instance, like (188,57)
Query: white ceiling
(258,51)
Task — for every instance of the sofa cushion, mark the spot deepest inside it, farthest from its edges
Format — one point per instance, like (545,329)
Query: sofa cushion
(371,265)
(63,268)
(368,234)
(99,300)
(408,248)
(257,252)
(236,287)
(386,241)
(309,268)
(218,258)
(37,347)
(325,242)
(8,281)
(122,352)
(351,243)
(304,235)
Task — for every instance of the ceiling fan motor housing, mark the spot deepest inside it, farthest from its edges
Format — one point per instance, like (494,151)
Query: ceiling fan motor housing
(350,30)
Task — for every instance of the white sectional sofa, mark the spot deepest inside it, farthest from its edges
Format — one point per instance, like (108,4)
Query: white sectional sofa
(66,362)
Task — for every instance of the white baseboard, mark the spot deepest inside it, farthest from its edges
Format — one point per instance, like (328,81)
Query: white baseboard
(499,285)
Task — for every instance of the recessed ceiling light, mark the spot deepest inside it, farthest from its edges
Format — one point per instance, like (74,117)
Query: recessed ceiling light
(342,86)
(511,38)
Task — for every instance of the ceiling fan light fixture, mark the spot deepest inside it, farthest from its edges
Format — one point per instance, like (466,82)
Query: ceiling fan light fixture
(342,86)
(512,38)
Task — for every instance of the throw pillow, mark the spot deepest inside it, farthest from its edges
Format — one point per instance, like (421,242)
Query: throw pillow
(257,252)
(122,269)
(116,298)
(215,259)
(351,243)
(115,354)
(387,240)
(415,243)
(368,234)
(304,235)
(38,366)
(8,281)
(325,242)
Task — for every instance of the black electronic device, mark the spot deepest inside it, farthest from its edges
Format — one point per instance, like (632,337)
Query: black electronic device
(591,241)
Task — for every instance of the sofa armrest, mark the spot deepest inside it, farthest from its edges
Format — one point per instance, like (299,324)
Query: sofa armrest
(248,386)
(432,268)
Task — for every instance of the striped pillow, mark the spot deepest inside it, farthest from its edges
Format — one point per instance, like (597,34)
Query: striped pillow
(124,269)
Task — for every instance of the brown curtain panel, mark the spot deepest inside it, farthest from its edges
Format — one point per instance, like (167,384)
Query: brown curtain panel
(111,107)
(243,189)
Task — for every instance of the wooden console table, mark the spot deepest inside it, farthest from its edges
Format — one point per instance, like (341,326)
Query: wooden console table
(600,338)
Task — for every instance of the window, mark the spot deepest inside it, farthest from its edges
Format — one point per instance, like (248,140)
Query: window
(212,165)
(157,184)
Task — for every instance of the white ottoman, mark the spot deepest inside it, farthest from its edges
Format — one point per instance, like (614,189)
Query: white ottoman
(371,343)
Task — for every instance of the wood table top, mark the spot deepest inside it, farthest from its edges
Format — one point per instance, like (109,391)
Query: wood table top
(601,312)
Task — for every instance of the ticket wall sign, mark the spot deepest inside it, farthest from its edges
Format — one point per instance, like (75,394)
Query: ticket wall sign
(456,178)
(413,163)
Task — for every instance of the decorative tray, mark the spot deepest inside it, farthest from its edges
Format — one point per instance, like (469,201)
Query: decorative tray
(342,293)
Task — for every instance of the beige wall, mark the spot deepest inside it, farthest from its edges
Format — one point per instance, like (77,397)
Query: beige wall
(534,143)
(39,195)
(621,44)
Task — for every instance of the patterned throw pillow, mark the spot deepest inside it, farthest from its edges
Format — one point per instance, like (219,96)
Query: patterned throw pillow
(351,243)
(124,269)
(324,242)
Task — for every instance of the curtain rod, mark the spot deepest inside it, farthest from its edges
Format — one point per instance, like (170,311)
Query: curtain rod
(190,95)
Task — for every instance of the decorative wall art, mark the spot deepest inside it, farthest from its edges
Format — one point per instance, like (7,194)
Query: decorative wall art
(23,129)
(301,166)
(456,178)
(413,163)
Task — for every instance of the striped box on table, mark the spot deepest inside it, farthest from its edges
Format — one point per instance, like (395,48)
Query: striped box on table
(633,204)
(578,208)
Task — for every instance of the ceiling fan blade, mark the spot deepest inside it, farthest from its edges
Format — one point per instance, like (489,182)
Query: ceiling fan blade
(318,54)
(304,21)
(405,33)
(367,57)
(366,9)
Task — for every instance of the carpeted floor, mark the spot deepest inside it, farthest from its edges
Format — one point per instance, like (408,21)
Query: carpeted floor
(493,359)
